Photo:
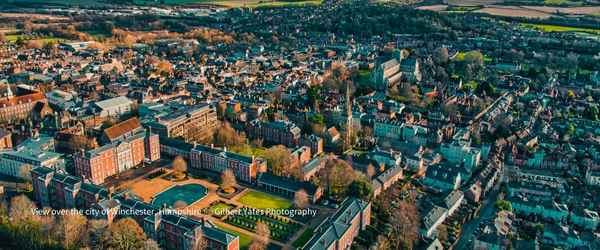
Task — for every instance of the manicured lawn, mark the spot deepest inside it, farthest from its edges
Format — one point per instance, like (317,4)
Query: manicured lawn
(245,239)
(262,200)
(303,238)
(557,28)
(220,209)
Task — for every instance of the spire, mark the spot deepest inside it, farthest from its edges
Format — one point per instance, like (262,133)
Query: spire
(9,92)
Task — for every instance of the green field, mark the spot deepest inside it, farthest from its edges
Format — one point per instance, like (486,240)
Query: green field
(245,240)
(557,28)
(14,38)
(262,200)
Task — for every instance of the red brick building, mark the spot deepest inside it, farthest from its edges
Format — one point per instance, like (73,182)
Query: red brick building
(128,146)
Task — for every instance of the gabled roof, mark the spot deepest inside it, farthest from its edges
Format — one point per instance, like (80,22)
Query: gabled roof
(122,128)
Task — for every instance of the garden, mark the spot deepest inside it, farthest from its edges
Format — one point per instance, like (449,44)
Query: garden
(281,227)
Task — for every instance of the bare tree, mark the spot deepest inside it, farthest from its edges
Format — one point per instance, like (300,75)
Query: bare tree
(263,234)
(22,210)
(301,199)
(179,165)
(179,204)
(71,229)
(405,225)
(125,234)
(279,159)
(371,171)
(200,243)
(97,233)
(151,244)
(228,181)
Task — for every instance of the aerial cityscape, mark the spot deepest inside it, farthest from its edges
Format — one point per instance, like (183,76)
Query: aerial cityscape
(300,124)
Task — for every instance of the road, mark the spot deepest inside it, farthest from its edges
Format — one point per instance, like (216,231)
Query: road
(487,212)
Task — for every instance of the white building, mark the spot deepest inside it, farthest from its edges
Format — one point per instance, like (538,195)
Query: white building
(13,161)
(114,106)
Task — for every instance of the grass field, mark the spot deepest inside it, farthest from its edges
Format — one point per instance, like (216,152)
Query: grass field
(14,38)
(245,240)
(262,200)
(556,28)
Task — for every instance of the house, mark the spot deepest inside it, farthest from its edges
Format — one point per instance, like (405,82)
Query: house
(432,219)
(5,139)
(442,178)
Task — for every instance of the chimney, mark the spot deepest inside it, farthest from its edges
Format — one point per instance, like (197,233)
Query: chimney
(225,149)
(212,145)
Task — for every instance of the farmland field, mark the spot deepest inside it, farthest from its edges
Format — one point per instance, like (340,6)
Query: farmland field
(556,28)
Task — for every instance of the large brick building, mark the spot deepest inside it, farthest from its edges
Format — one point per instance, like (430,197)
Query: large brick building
(170,230)
(128,145)
(275,132)
(20,103)
(339,230)
(245,168)
(190,123)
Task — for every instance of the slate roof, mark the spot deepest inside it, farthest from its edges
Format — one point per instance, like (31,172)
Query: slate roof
(334,227)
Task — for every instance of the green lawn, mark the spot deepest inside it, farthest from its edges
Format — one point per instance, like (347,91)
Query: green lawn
(245,240)
(248,150)
(303,238)
(220,209)
(262,200)
(557,28)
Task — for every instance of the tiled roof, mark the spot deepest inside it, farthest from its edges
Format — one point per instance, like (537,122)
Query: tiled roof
(122,128)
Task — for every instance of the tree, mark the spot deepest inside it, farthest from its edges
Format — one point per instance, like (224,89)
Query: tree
(263,233)
(151,244)
(361,188)
(97,233)
(255,245)
(371,171)
(442,233)
(34,44)
(336,176)
(301,199)
(441,55)
(179,204)
(404,223)
(200,243)
(503,205)
(227,136)
(228,181)
(125,234)
(279,159)
(179,165)
(21,210)
(71,229)
(382,243)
